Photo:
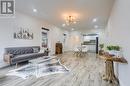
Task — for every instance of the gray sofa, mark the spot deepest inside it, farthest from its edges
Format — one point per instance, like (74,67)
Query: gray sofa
(15,55)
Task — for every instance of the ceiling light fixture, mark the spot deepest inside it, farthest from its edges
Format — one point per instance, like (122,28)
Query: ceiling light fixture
(96,26)
(63,25)
(95,19)
(70,20)
(72,29)
(35,10)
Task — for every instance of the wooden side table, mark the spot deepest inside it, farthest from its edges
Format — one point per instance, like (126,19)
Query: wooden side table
(109,68)
(58,49)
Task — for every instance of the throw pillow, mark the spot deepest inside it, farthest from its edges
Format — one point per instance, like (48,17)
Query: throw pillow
(42,51)
(35,50)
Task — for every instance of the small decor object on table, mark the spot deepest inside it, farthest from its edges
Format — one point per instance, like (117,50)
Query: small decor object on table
(101,49)
(47,51)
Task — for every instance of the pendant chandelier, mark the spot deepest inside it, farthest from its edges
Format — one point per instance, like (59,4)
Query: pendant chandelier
(70,20)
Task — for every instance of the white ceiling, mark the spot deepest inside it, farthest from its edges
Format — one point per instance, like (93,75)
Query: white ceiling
(52,11)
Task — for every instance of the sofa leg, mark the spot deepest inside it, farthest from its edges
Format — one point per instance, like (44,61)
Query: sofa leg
(16,65)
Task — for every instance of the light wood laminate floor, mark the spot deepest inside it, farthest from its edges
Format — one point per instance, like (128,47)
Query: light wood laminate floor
(84,71)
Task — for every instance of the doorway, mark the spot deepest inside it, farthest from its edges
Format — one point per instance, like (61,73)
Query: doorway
(91,41)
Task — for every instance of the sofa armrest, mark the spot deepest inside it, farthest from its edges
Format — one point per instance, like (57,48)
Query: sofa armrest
(7,58)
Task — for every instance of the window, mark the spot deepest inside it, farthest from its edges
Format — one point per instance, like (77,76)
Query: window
(44,40)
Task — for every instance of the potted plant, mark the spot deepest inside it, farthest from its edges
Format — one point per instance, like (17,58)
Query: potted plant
(117,51)
(116,48)
(110,49)
(113,50)
(101,49)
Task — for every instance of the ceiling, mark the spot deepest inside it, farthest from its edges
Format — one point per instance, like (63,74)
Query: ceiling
(52,11)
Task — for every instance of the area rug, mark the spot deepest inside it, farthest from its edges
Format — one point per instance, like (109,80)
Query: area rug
(39,70)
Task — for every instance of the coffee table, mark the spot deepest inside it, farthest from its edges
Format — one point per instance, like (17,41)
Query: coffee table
(42,59)
(40,67)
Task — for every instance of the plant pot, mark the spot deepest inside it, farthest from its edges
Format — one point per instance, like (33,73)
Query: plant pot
(101,52)
(118,53)
(111,52)
(115,53)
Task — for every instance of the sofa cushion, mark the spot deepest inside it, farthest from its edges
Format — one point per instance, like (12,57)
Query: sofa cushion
(25,57)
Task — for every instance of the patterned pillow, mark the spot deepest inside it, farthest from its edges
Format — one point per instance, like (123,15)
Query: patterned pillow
(42,51)
(35,50)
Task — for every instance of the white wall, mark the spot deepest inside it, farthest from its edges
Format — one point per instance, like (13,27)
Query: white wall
(73,40)
(118,32)
(55,35)
(10,25)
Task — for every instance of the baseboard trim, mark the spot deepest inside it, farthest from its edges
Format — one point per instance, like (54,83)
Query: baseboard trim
(4,66)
